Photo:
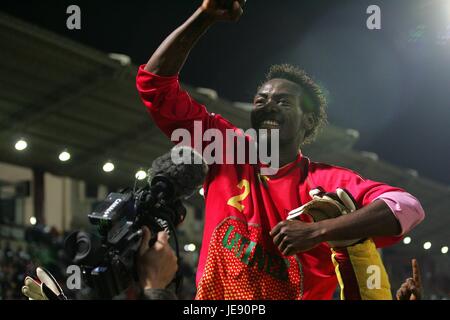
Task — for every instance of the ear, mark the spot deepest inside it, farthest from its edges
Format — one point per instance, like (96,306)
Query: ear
(309,121)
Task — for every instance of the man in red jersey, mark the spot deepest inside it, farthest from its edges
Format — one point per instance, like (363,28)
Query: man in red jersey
(250,250)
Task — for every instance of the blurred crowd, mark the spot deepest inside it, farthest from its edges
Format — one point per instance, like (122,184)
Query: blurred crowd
(13,267)
(43,246)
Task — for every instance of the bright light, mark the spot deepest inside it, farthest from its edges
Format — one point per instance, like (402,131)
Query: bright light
(353,133)
(427,245)
(21,145)
(202,192)
(108,167)
(141,175)
(370,155)
(33,220)
(64,156)
(444,250)
(407,240)
(190,247)
(123,59)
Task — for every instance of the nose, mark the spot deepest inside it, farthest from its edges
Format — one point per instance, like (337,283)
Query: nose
(270,105)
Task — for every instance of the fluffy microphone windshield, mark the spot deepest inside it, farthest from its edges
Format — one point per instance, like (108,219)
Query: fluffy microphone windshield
(184,166)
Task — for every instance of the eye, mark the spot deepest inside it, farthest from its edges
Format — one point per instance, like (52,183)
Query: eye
(284,102)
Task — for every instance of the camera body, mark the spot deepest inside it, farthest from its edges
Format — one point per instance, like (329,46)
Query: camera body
(107,258)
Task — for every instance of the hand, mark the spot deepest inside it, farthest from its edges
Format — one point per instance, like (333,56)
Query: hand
(156,265)
(224,10)
(293,236)
(326,208)
(411,289)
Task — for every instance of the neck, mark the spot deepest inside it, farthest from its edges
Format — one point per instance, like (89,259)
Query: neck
(288,154)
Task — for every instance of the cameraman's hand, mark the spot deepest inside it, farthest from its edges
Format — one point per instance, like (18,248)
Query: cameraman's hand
(223,10)
(157,265)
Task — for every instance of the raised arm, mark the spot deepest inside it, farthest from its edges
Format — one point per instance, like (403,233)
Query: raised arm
(171,55)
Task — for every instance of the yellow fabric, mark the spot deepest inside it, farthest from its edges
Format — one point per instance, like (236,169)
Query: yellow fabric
(371,275)
(338,274)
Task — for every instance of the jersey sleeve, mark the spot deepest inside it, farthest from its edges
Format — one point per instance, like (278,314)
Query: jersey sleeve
(406,208)
(364,191)
(173,108)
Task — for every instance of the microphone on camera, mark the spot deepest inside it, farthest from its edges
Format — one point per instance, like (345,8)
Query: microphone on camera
(174,176)
(183,168)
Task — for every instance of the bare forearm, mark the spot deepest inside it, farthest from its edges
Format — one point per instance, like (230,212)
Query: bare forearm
(171,55)
(374,220)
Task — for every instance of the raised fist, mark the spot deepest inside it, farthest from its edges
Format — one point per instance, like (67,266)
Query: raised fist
(224,10)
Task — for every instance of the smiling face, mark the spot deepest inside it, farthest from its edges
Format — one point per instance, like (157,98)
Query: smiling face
(278,106)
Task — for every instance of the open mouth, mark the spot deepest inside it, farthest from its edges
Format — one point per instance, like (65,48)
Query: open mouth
(269,124)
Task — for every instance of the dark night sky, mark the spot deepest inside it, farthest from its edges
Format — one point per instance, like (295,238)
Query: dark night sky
(392,84)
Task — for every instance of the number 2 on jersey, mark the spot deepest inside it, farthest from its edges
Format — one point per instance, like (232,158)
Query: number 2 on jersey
(235,202)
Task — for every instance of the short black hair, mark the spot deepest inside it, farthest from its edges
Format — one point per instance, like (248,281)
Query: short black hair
(313,99)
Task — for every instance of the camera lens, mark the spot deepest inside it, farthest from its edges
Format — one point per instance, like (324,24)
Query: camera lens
(83,248)
(83,245)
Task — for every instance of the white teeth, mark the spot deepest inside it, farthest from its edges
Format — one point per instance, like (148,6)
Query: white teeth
(270,123)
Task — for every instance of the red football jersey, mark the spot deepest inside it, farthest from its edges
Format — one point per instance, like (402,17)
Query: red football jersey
(238,259)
